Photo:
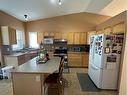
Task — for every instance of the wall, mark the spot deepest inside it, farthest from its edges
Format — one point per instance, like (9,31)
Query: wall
(80,22)
(112,21)
(8,20)
(123,82)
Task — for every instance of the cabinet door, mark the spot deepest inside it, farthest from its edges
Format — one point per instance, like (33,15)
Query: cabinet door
(119,28)
(108,30)
(40,37)
(51,34)
(76,38)
(89,34)
(85,60)
(21,59)
(75,60)
(27,84)
(70,37)
(83,38)
(100,32)
(58,35)
(64,35)
(46,33)
(12,36)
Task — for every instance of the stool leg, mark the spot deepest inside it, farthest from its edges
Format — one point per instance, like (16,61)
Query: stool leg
(45,89)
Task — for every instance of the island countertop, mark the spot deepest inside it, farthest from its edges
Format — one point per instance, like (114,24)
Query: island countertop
(33,67)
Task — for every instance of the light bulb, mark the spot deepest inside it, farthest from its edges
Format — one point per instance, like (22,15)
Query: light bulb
(60,3)
(25,17)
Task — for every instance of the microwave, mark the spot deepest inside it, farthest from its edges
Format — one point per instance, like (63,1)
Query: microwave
(48,40)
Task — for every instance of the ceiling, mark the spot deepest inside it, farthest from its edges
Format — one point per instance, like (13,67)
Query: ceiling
(40,9)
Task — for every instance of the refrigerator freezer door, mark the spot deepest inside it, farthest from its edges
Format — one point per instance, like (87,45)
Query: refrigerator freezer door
(92,47)
(95,74)
(110,79)
(98,53)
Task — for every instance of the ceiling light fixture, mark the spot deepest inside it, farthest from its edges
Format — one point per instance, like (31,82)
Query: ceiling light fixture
(26,17)
(60,2)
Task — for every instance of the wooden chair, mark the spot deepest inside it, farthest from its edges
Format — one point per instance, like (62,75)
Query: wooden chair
(55,80)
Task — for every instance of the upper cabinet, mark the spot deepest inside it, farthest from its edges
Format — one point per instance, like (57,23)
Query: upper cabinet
(64,35)
(40,37)
(70,37)
(57,35)
(8,35)
(100,32)
(77,38)
(108,30)
(89,34)
(83,38)
(118,28)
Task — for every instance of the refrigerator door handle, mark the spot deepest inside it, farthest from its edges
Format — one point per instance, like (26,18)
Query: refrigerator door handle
(94,67)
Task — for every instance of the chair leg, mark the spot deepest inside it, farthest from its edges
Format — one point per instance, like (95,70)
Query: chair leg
(45,89)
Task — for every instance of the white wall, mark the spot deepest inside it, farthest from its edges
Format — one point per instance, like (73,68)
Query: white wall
(123,82)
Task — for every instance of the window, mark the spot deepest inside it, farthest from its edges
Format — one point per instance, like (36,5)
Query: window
(33,40)
(20,40)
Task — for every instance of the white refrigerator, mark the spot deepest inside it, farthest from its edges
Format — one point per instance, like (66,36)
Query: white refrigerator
(104,60)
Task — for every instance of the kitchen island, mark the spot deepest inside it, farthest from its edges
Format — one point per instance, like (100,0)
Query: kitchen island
(28,78)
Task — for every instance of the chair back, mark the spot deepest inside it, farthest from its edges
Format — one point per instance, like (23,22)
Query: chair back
(61,67)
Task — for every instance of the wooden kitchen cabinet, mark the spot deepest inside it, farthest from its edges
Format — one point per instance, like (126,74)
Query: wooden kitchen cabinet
(100,32)
(77,38)
(74,60)
(89,34)
(27,84)
(78,59)
(51,34)
(40,37)
(108,30)
(58,35)
(118,28)
(83,38)
(70,38)
(85,59)
(46,33)
(8,35)
(21,59)
(64,35)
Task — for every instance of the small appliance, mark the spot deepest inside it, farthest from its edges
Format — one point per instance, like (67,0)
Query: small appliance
(48,40)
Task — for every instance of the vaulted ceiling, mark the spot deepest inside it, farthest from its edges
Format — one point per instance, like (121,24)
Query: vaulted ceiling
(40,9)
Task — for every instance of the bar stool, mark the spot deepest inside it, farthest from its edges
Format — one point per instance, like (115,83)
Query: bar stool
(55,80)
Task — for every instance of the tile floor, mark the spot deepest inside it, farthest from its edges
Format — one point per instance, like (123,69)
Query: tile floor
(73,87)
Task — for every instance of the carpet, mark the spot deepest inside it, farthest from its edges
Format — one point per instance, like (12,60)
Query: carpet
(86,83)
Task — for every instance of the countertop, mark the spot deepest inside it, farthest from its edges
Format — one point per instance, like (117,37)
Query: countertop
(32,67)
(71,52)
(20,53)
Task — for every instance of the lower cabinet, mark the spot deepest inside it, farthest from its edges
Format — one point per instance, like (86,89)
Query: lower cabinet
(85,60)
(78,59)
(18,60)
(27,84)
(75,60)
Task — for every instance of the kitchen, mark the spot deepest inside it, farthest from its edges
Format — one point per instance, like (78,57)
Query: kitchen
(75,29)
